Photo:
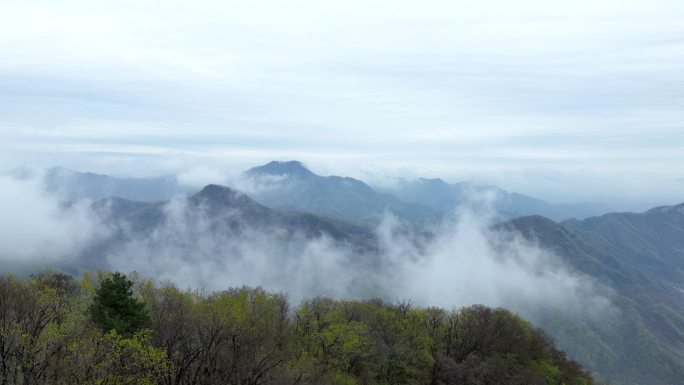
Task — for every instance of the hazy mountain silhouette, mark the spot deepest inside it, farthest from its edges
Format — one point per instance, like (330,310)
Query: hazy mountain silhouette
(74,185)
(228,210)
(444,197)
(291,186)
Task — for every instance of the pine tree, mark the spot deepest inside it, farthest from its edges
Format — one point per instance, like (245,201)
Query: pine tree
(115,308)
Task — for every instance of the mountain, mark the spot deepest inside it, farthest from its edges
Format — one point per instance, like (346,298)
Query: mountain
(221,212)
(445,197)
(640,258)
(637,259)
(74,185)
(233,208)
(276,168)
(291,186)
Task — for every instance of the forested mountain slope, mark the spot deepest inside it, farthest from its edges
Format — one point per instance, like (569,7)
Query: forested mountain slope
(640,257)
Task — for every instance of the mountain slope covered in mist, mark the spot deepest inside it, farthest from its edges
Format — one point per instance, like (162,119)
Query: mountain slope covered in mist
(73,185)
(637,256)
(445,197)
(222,235)
(228,212)
(291,186)
(640,257)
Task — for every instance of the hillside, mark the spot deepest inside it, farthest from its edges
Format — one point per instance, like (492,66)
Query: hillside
(220,217)
(640,257)
(233,208)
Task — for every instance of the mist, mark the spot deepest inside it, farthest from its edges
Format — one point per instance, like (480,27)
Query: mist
(469,262)
(464,261)
(38,229)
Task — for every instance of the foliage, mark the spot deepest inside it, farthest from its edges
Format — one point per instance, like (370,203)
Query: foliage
(49,334)
(115,308)
(47,337)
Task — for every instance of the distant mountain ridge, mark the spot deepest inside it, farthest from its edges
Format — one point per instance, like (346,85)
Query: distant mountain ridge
(444,197)
(291,186)
(287,168)
(224,209)
(73,185)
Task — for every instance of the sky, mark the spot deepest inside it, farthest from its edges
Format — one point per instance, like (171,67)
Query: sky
(567,101)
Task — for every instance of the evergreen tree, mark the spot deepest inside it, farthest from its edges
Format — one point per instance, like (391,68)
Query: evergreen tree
(115,308)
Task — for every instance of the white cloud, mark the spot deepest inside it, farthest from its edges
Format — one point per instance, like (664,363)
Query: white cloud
(38,230)
(464,263)
(437,85)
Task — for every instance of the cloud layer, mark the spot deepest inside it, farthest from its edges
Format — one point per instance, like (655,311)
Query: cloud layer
(462,262)
(459,262)
(447,88)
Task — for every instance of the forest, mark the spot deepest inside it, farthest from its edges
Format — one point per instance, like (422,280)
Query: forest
(110,329)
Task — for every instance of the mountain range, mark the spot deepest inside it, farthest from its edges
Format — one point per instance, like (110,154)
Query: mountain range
(636,259)
(221,214)
(291,186)
(445,197)
(73,185)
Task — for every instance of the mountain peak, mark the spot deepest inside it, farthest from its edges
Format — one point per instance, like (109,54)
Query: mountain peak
(292,167)
(433,182)
(215,191)
(219,197)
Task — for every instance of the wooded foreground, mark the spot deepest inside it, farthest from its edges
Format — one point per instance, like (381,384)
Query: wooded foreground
(111,329)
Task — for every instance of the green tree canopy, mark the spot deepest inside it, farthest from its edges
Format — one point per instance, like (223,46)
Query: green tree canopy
(115,308)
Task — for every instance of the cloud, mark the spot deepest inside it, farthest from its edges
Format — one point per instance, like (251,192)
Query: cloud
(468,262)
(570,87)
(462,262)
(38,230)
(199,177)
(458,262)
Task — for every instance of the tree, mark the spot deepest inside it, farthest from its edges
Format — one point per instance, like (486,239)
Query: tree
(248,336)
(115,308)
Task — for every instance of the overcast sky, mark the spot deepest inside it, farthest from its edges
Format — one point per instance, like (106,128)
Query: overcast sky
(566,100)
